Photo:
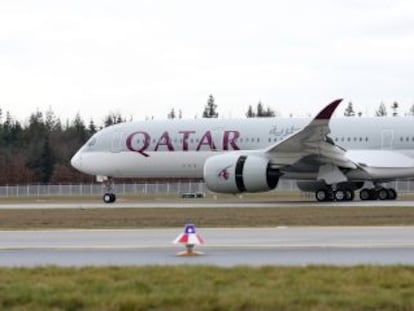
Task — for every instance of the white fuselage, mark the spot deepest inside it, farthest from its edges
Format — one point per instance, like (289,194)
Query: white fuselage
(179,148)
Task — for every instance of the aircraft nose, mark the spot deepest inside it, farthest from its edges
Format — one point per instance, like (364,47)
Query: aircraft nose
(76,161)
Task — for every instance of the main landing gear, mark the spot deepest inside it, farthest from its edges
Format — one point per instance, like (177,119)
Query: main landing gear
(109,187)
(341,195)
(324,195)
(378,194)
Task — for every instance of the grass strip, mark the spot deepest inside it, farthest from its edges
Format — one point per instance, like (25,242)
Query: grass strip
(207,217)
(208,288)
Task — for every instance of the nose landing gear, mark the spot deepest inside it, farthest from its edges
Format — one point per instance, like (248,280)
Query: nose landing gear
(109,189)
(109,197)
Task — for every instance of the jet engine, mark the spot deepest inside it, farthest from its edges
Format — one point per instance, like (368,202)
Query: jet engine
(235,173)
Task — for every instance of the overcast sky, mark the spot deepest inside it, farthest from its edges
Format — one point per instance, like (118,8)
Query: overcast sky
(142,58)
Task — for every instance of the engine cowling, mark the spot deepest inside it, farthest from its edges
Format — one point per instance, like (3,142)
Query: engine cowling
(232,173)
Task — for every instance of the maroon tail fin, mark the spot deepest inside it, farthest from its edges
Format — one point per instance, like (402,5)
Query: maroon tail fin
(328,111)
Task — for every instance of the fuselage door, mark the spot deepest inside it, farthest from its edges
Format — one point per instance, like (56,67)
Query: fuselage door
(116,144)
(387,139)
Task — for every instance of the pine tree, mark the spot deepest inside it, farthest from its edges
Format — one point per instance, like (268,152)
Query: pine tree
(108,121)
(259,110)
(46,162)
(79,127)
(394,108)
(210,110)
(11,131)
(269,113)
(382,111)
(171,114)
(119,119)
(349,111)
(250,113)
(50,120)
(113,118)
(37,127)
(91,128)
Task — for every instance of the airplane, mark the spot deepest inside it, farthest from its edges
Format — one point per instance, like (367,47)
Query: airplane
(331,157)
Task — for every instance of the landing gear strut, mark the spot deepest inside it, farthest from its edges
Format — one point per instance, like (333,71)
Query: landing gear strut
(109,187)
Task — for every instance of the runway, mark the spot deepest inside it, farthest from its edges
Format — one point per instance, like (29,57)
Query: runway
(224,247)
(201,204)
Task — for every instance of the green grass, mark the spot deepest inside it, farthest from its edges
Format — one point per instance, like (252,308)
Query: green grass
(206,217)
(208,288)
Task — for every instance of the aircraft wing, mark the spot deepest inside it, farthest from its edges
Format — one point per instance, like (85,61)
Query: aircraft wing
(312,142)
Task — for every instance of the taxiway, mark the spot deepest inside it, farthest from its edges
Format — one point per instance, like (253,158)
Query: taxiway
(224,247)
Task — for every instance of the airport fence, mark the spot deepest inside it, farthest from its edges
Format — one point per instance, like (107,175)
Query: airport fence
(93,189)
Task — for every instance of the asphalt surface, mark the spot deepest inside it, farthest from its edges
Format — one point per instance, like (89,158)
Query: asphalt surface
(192,203)
(224,247)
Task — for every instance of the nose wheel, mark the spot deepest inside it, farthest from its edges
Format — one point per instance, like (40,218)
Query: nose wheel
(109,197)
(109,187)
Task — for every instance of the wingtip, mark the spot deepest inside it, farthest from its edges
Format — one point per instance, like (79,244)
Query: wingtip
(328,111)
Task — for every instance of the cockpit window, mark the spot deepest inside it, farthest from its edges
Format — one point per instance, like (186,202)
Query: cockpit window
(92,142)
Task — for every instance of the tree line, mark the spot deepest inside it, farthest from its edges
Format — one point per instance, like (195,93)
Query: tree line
(260,111)
(382,110)
(210,111)
(39,151)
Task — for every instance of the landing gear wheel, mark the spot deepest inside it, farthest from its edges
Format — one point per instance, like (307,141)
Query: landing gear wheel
(109,189)
(392,194)
(364,194)
(339,195)
(109,197)
(349,195)
(383,194)
(321,195)
(373,194)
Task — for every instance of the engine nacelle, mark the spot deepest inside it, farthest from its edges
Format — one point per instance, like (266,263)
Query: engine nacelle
(232,173)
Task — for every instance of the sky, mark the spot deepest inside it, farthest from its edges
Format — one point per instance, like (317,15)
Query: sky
(141,58)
